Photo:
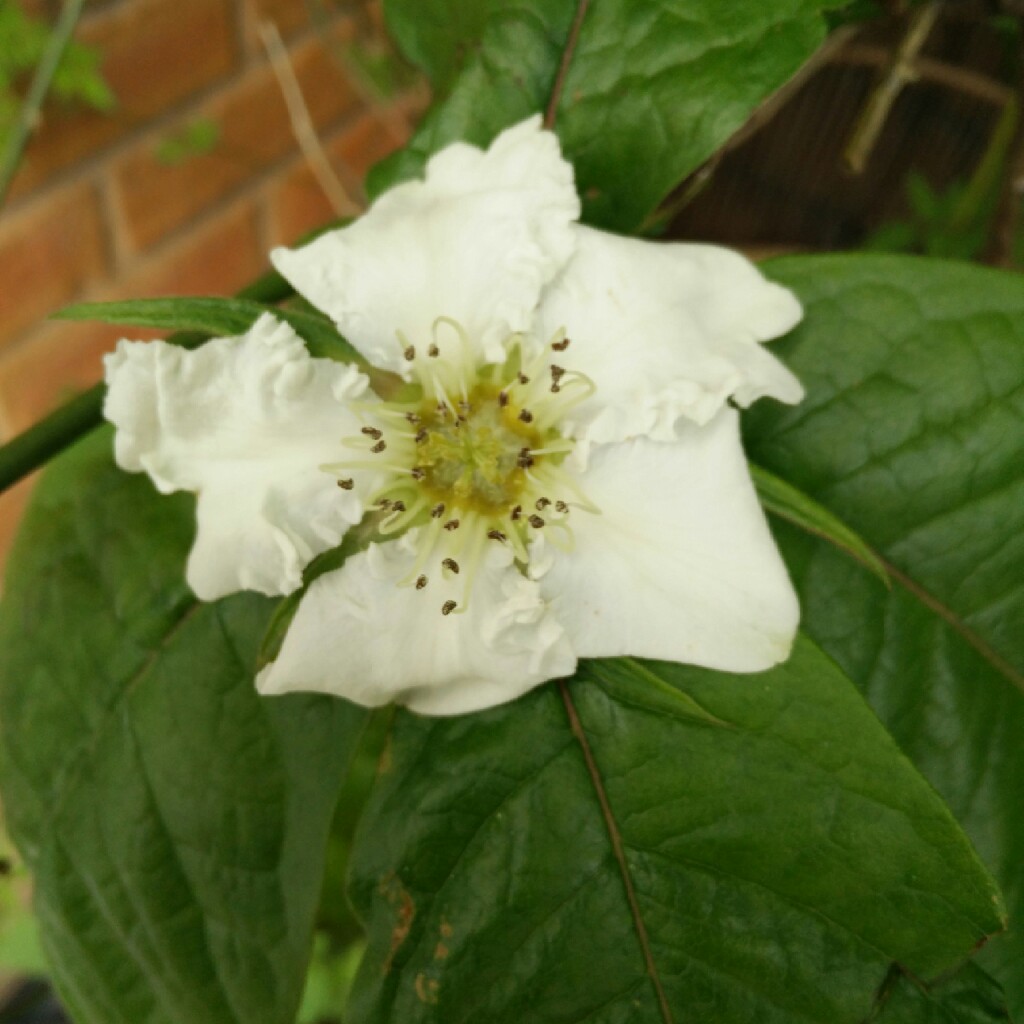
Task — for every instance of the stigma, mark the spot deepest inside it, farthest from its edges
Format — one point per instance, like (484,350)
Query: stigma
(473,455)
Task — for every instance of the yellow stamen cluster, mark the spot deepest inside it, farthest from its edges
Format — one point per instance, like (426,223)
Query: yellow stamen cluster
(474,454)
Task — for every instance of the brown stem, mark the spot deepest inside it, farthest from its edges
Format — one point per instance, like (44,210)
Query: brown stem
(563,67)
(576,725)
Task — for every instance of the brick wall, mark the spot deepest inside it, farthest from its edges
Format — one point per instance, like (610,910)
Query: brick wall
(96,214)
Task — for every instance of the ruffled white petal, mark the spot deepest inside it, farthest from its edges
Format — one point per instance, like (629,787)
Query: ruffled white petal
(358,635)
(666,331)
(476,241)
(245,423)
(680,564)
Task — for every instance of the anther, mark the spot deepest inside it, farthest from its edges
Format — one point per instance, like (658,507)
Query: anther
(433,351)
(421,582)
(560,346)
(557,373)
(560,506)
(526,416)
(417,473)
(555,388)
(452,524)
(524,460)
(503,398)
(448,607)
(346,484)
(373,432)
(437,511)
(398,506)
(522,378)
(421,435)
(451,565)
(542,503)
(496,535)
(384,503)
(516,514)
(412,417)
(410,353)
(536,522)
(379,447)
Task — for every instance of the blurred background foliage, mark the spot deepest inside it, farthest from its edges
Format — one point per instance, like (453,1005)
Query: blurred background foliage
(23,41)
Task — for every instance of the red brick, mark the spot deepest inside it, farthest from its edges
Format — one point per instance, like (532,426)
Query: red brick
(154,199)
(298,204)
(47,253)
(156,53)
(218,259)
(60,359)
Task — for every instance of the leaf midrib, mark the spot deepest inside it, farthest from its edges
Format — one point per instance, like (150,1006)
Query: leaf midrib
(618,850)
(925,597)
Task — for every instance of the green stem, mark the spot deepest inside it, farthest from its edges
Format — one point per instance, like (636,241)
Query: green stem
(29,115)
(50,436)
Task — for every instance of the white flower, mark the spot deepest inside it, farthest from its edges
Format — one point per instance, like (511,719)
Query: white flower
(560,476)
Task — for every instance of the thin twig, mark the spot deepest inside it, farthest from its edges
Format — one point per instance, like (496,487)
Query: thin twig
(302,124)
(28,117)
(927,69)
(901,73)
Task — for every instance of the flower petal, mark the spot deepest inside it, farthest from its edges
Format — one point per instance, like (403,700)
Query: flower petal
(666,330)
(359,635)
(245,423)
(680,564)
(475,241)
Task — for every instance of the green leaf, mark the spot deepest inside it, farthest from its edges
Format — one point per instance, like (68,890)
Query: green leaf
(786,502)
(217,317)
(175,822)
(650,91)
(912,432)
(970,997)
(622,864)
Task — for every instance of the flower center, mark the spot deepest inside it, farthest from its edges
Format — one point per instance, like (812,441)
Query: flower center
(474,457)
(476,460)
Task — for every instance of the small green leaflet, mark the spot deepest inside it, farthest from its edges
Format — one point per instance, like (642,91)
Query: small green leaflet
(217,317)
(785,501)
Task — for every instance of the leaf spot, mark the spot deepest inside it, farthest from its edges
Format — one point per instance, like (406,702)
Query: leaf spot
(401,902)
(426,989)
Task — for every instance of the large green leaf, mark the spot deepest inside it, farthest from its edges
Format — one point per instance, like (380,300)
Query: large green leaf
(175,821)
(913,433)
(664,843)
(649,90)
